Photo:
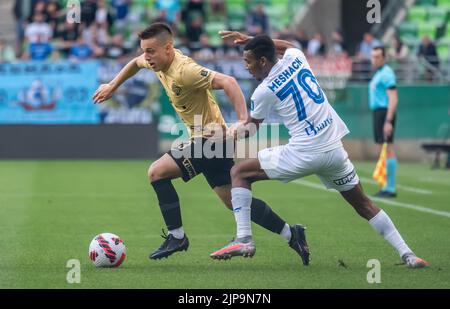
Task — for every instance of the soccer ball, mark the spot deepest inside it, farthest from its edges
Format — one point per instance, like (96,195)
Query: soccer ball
(107,250)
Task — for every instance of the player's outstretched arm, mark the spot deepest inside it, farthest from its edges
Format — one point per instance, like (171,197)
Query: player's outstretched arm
(242,39)
(231,87)
(105,91)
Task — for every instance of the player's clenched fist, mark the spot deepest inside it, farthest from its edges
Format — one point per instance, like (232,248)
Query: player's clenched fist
(103,93)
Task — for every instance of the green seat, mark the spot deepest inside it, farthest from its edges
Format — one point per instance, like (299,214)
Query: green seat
(215,40)
(425,2)
(443,51)
(212,28)
(232,5)
(443,3)
(408,29)
(437,15)
(410,41)
(417,14)
(429,29)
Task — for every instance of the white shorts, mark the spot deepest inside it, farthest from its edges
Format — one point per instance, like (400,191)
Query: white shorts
(286,163)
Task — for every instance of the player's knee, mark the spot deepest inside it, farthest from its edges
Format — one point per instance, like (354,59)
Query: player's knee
(154,173)
(235,172)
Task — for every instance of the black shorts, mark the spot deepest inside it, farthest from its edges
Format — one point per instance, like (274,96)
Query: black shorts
(201,155)
(379,118)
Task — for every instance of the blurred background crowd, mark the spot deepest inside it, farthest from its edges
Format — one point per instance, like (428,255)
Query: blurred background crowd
(108,30)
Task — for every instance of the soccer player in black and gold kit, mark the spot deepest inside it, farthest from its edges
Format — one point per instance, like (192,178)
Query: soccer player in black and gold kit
(189,87)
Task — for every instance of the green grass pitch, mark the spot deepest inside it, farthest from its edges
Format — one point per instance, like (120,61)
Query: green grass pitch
(50,211)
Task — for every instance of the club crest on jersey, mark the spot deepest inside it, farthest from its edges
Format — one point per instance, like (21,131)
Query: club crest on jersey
(176,89)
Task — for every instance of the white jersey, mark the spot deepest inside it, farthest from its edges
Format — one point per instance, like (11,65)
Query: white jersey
(293,91)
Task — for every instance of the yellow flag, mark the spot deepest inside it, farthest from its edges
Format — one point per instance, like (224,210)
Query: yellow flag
(380,173)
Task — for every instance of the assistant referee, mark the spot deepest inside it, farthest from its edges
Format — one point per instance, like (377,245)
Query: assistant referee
(383,100)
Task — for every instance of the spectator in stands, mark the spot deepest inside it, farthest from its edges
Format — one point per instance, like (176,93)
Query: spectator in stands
(183,45)
(302,38)
(6,52)
(206,52)
(228,50)
(88,12)
(121,8)
(427,51)
(192,10)
(80,50)
(53,15)
(41,8)
(116,50)
(316,46)
(338,47)
(398,50)
(38,30)
(39,51)
(194,31)
(365,48)
(69,36)
(103,15)
(287,34)
(217,6)
(23,12)
(362,67)
(162,18)
(257,22)
(171,8)
(97,38)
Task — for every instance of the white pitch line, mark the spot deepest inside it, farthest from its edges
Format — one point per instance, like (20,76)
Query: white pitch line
(381,200)
(403,187)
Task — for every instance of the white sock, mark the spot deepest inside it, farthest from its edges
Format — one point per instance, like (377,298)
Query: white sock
(241,199)
(177,233)
(286,232)
(383,225)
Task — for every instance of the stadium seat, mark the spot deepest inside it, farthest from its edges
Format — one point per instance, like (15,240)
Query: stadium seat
(443,50)
(417,14)
(429,29)
(437,15)
(426,2)
(408,29)
(444,3)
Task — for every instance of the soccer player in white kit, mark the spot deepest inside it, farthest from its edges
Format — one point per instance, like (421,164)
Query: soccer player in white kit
(290,88)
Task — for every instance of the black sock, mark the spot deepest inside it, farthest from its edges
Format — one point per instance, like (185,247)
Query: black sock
(168,203)
(264,216)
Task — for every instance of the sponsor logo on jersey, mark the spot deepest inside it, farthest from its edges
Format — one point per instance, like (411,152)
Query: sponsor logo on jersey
(314,130)
(189,167)
(345,180)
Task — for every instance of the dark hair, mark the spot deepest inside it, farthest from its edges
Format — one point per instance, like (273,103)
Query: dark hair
(155,29)
(262,46)
(383,50)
